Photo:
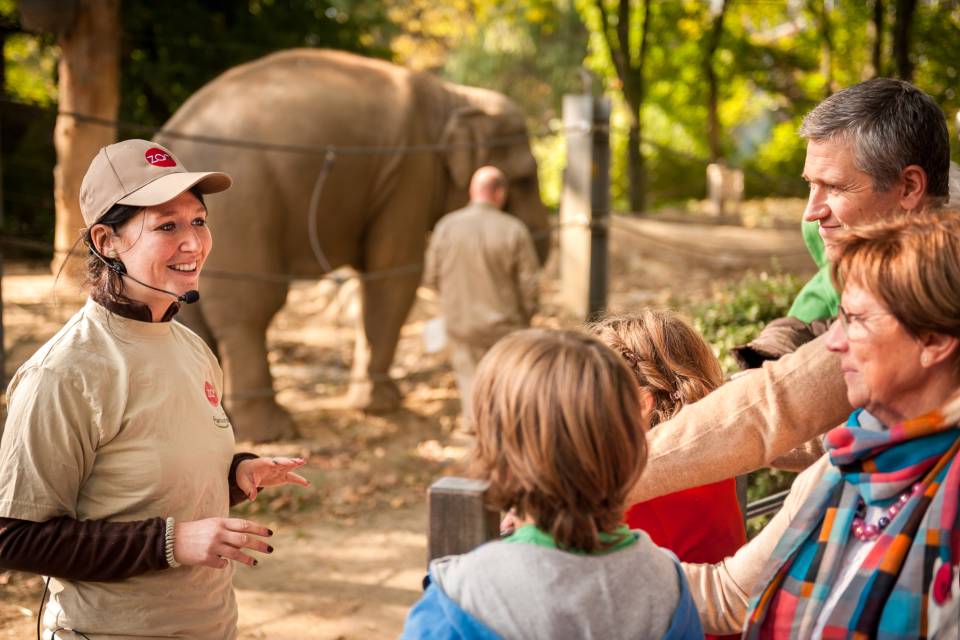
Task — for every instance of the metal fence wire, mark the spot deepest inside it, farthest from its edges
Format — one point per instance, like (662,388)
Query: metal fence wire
(764,506)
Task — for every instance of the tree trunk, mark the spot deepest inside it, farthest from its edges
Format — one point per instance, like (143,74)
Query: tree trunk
(637,173)
(88,84)
(875,34)
(713,99)
(902,26)
(819,10)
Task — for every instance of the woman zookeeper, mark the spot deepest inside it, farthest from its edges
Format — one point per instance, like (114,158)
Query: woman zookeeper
(117,468)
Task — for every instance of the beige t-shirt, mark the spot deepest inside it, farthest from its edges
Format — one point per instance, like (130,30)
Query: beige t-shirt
(121,420)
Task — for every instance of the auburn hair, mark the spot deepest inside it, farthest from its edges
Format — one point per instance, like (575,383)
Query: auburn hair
(911,264)
(667,356)
(560,433)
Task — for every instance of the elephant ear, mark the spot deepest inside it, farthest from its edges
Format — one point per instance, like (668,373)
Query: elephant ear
(463,135)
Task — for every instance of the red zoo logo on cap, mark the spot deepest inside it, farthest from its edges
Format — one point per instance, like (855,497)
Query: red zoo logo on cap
(211,394)
(159,158)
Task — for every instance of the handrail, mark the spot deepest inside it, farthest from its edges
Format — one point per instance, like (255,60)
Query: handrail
(765,506)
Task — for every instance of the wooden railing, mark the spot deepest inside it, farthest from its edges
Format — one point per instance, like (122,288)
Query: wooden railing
(459,521)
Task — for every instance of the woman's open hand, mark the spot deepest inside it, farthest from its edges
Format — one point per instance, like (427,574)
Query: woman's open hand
(212,541)
(268,472)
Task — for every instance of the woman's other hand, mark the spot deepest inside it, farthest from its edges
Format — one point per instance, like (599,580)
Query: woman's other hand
(257,473)
(212,541)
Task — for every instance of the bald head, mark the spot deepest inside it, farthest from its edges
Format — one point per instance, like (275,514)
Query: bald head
(489,185)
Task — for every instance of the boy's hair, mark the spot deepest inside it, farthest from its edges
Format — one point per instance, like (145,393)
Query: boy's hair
(560,433)
(666,355)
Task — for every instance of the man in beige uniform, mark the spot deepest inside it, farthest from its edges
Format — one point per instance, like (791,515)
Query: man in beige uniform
(878,147)
(483,263)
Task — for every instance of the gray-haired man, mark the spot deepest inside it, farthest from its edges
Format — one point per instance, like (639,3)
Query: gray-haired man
(878,147)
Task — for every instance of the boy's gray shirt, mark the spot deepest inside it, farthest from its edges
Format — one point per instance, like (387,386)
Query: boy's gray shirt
(521,590)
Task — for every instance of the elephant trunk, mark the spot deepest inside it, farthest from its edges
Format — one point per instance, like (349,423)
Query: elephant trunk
(529,208)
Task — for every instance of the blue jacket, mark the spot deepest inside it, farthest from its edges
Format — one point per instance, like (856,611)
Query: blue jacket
(436,617)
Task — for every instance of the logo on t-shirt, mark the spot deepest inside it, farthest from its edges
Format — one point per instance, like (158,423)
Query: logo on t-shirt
(159,158)
(211,394)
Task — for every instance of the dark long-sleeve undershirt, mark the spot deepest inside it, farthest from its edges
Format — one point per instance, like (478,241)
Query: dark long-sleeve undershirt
(92,550)
(89,550)
(97,550)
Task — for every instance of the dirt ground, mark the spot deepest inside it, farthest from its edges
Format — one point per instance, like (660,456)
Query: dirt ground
(350,550)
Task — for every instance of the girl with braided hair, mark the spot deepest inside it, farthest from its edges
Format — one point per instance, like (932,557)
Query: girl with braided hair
(674,366)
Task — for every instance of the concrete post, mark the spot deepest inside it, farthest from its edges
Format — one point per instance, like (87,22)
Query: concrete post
(724,187)
(585,205)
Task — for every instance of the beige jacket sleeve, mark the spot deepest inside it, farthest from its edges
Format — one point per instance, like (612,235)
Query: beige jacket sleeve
(747,423)
(722,591)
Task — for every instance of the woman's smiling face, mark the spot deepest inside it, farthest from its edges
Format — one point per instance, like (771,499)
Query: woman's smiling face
(164,246)
(880,360)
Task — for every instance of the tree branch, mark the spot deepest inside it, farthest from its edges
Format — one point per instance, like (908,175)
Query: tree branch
(616,54)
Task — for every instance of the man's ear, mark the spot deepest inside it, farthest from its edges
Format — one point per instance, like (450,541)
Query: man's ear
(913,186)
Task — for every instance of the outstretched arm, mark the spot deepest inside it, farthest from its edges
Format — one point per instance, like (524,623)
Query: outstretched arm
(722,591)
(746,423)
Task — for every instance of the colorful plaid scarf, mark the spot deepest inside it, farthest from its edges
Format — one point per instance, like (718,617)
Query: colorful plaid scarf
(877,466)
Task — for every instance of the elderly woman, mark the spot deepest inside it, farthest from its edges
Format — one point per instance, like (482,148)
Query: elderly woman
(868,542)
(117,468)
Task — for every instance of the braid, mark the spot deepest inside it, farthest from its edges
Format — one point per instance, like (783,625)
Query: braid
(667,356)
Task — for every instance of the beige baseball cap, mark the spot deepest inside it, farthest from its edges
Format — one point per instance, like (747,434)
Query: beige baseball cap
(139,173)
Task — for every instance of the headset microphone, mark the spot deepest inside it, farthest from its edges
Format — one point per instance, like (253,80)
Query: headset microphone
(188,297)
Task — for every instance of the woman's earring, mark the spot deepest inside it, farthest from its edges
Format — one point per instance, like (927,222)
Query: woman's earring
(112,254)
(925,359)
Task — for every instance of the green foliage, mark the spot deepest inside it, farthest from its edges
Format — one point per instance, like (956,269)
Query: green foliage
(31,63)
(551,154)
(168,51)
(528,50)
(736,313)
(761,484)
(171,49)
(769,63)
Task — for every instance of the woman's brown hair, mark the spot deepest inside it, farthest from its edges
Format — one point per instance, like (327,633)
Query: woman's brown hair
(667,356)
(911,263)
(560,433)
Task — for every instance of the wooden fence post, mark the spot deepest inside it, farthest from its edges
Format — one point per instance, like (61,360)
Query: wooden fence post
(458,520)
(585,205)
(88,84)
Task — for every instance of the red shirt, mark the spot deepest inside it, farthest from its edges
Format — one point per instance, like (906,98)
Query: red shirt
(703,524)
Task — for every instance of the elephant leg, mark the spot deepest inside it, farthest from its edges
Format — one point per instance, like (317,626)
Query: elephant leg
(385,302)
(238,319)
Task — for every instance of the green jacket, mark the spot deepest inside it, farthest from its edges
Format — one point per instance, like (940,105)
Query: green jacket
(818,299)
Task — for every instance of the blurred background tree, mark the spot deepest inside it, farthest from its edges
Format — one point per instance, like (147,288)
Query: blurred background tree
(697,80)
(692,82)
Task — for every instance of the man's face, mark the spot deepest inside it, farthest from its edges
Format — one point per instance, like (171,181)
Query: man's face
(841,195)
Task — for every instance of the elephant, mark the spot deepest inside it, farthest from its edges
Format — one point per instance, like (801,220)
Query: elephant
(404,146)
